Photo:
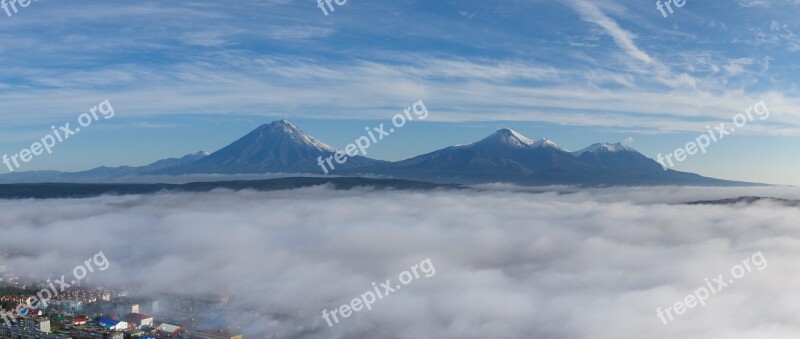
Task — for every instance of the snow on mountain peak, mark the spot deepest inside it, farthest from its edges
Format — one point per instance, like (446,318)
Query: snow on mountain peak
(546,143)
(605,147)
(284,128)
(508,136)
(195,156)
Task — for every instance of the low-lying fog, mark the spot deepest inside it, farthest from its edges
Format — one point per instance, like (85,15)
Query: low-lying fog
(509,264)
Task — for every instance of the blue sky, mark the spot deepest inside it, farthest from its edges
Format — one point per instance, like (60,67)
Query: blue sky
(185,76)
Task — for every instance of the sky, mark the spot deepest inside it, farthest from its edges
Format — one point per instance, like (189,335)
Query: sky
(185,76)
(580,264)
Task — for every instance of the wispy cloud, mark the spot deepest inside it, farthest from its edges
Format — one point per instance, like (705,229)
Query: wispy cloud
(466,90)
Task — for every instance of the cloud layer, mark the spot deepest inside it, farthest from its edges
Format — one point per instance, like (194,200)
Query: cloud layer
(569,264)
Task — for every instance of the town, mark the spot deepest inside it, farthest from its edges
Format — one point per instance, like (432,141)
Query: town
(103,313)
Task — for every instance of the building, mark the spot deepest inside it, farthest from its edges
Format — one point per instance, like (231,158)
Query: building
(216,334)
(39,324)
(139,320)
(113,325)
(135,333)
(29,328)
(95,333)
(126,307)
(67,306)
(146,305)
(80,320)
(25,333)
(169,329)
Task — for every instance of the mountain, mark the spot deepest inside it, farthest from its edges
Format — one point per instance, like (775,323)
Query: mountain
(508,156)
(276,147)
(102,171)
(171,162)
(147,169)
(504,156)
(616,156)
(619,163)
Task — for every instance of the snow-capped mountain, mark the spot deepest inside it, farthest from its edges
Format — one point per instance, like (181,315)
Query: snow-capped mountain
(605,147)
(505,137)
(276,147)
(547,143)
(503,156)
(620,158)
(512,138)
(508,156)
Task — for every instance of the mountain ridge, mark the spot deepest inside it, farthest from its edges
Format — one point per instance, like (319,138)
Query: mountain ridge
(503,156)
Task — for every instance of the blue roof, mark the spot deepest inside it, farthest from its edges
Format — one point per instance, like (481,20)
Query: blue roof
(108,322)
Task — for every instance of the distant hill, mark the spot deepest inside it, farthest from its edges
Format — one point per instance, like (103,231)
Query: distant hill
(71,190)
(748,200)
